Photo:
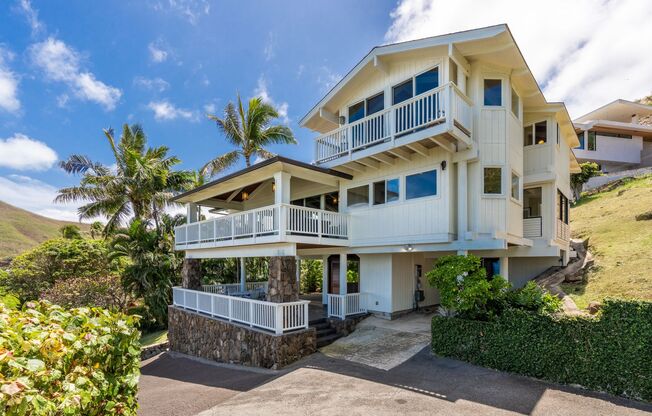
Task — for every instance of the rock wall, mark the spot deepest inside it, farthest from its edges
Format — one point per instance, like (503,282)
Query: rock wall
(152,350)
(213,339)
(283,285)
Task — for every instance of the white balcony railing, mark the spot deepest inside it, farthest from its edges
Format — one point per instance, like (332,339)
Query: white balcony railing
(341,306)
(563,231)
(532,227)
(247,227)
(229,288)
(275,317)
(424,110)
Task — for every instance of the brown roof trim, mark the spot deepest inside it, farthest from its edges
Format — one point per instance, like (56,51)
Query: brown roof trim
(262,165)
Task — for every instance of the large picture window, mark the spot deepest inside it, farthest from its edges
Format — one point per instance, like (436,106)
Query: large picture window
(358,196)
(421,184)
(493,181)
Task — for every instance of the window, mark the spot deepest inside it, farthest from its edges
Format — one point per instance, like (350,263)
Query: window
(493,91)
(421,184)
(452,71)
(558,134)
(516,187)
(402,92)
(385,191)
(493,181)
(618,135)
(515,103)
(491,266)
(375,103)
(562,207)
(357,196)
(535,134)
(356,112)
(426,81)
(331,201)
(592,145)
(580,137)
(313,202)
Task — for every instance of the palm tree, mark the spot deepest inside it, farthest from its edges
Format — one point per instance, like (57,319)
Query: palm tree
(70,232)
(141,184)
(96,229)
(250,131)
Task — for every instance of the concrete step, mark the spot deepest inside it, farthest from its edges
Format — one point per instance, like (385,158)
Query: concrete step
(322,325)
(318,321)
(323,341)
(321,333)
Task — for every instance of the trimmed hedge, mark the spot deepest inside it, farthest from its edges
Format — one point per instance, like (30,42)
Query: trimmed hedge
(55,361)
(611,353)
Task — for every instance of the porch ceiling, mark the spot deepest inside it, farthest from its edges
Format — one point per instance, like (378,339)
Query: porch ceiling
(256,176)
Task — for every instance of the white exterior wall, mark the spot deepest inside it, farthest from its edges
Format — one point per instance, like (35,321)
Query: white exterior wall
(376,281)
(404,221)
(612,149)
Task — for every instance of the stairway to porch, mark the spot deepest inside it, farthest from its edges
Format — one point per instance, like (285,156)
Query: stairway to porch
(326,334)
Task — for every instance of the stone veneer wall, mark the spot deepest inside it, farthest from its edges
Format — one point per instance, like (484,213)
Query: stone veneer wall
(213,339)
(283,285)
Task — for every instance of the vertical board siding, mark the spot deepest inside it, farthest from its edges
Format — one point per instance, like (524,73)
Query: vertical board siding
(376,281)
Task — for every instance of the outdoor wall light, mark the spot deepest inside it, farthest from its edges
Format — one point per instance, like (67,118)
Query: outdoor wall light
(245,196)
(443,165)
(274,186)
(408,247)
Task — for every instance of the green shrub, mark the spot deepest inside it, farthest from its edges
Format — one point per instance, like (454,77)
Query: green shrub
(464,287)
(311,275)
(102,291)
(67,362)
(533,298)
(37,270)
(609,353)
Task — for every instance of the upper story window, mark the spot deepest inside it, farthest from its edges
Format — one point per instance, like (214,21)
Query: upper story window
(358,196)
(618,135)
(367,107)
(386,191)
(516,186)
(580,137)
(331,201)
(516,100)
(421,83)
(592,142)
(535,134)
(562,207)
(493,181)
(309,202)
(421,184)
(493,92)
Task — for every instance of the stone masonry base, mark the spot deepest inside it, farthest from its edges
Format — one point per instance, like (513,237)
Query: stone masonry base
(213,339)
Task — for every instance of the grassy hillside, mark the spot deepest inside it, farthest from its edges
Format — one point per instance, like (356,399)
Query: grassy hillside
(21,230)
(621,243)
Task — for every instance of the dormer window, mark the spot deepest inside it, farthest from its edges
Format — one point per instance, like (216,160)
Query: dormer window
(535,134)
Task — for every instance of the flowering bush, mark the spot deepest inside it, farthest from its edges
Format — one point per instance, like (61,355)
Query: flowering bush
(55,361)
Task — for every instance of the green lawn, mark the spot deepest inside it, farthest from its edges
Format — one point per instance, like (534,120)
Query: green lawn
(622,246)
(153,338)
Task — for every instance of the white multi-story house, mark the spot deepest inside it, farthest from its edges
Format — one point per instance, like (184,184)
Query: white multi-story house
(614,137)
(444,145)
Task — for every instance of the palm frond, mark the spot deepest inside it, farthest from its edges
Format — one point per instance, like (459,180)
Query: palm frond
(220,163)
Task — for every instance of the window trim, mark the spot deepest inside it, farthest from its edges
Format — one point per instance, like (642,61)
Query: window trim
(502,180)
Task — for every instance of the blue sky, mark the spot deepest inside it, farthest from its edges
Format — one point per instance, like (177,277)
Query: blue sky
(68,69)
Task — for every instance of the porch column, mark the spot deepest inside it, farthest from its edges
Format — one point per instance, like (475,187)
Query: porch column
(243,275)
(343,269)
(282,184)
(191,268)
(504,267)
(324,280)
(192,212)
(462,208)
(282,280)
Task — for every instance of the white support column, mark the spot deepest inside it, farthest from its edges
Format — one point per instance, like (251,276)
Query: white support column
(462,200)
(462,253)
(243,275)
(324,281)
(282,184)
(192,212)
(504,267)
(343,267)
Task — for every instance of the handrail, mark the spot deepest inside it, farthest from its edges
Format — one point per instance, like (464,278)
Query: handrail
(276,317)
(341,306)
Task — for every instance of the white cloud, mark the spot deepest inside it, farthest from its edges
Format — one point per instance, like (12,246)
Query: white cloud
(270,45)
(157,53)
(62,63)
(35,196)
(262,92)
(327,79)
(164,110)
(210,108)
(191,10)
(22,153)
(8,84)
(25,7)
(592,54)
(155,84)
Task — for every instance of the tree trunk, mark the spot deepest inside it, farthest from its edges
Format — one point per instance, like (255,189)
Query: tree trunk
(282,286)
(191,274)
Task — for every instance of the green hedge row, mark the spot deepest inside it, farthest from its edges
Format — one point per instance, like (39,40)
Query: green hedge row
(55,361)
(611,353)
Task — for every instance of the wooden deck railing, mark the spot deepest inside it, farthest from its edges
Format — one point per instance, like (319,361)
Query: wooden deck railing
(275,317)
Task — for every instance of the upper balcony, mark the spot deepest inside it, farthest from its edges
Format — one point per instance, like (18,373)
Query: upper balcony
(442,116)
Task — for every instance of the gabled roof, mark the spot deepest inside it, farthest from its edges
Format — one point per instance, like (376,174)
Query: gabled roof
(618,110)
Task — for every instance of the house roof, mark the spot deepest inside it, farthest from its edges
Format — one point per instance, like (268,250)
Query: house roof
(252,176)
(618,110)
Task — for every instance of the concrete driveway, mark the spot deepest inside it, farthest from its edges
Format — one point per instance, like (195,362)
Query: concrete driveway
(321,385)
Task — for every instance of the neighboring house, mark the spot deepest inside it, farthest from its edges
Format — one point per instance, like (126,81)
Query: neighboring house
(425,148)
(615,136)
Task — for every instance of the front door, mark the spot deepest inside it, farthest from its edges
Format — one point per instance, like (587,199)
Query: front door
(334,274)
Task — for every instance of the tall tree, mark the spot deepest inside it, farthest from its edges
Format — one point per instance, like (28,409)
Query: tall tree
(250,131)
(141,184)
(589,170)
